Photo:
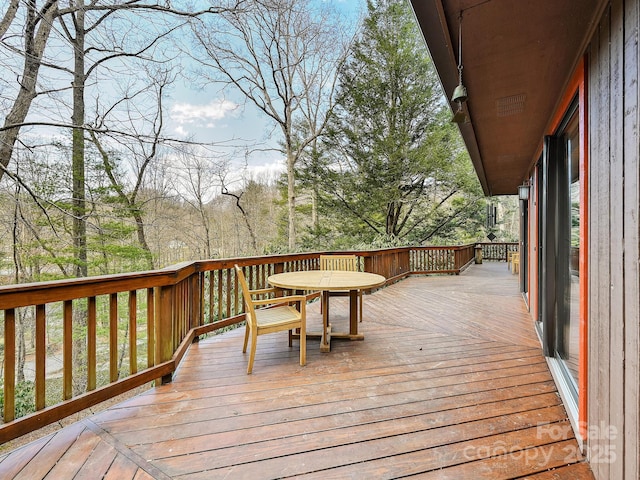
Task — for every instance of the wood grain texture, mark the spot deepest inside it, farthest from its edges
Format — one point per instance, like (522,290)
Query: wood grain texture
(631,233)
(449,382)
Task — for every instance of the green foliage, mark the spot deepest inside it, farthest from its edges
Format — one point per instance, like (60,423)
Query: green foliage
(118,249)
(24,398)
(392,170)
(392,165)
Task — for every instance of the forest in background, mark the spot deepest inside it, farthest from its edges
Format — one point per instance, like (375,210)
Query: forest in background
(93,182)
(370,158)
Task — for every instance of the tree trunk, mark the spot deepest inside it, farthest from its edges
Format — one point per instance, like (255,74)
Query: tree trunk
(21,346)
(291,199)
(393,214)
(77,154)
(207,229)
(314,208)
(142,239)
(9,16)
(79,207)
(34,48)
(17,265)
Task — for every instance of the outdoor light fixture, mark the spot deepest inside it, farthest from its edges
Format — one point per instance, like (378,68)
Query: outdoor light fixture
(459,116)
(460,93)
(523,192)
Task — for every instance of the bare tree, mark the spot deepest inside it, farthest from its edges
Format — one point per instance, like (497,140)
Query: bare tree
(9,16)
(29,39)
(141,148)
(92,48)
(282,56)
(237,196)
(38,25)
(199,171)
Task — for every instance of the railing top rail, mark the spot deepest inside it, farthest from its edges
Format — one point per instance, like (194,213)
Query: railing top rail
(193,304)
(24,294)
(496,243)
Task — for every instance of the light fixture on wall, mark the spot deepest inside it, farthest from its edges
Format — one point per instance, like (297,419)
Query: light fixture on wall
(460,93)
(459,116)
(523,191)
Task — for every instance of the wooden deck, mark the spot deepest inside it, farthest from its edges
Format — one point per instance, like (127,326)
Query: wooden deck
(449,383)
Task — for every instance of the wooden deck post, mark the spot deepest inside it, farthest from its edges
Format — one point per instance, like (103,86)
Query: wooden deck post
(164,327)
(457,264)
(478,254)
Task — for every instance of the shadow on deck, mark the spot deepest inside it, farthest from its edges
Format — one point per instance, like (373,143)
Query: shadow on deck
(450,382)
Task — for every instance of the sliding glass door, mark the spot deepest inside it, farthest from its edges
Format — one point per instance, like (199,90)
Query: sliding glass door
(568,344)
(559,246)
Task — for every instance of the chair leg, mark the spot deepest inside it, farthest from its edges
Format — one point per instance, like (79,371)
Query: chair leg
(252,353)
(360,295)
(303,349)
(246,338)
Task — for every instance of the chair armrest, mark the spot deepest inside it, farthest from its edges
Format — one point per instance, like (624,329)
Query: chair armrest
(263,291)
(276,300)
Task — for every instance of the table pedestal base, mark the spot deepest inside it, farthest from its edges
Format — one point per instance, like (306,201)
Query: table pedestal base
(331,335)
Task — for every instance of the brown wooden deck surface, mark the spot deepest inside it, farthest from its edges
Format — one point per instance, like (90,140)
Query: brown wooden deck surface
(449,383)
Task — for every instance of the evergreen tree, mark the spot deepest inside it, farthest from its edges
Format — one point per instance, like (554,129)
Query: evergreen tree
(393,166)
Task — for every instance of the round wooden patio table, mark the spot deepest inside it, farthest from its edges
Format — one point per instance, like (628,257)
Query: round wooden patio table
(326,281)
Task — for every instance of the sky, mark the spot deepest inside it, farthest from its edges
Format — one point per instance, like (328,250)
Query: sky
(212,116)
(205,115)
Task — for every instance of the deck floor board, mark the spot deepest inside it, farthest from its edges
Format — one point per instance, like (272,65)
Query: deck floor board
(450,382)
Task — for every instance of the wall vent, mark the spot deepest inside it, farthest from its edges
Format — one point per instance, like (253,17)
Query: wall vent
(512,105)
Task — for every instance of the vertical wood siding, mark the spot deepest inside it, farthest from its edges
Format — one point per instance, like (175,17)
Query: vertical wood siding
(614,339)
(631,231)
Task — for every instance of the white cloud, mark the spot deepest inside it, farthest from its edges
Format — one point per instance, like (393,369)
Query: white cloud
(181,131)
(270,171)
(186,113)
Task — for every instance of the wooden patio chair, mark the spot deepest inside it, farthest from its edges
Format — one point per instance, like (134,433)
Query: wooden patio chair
(515,263)
(282,316)
(345,263)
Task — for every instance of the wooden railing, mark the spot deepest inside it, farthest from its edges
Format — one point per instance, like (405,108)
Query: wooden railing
(78,323)
(497,251)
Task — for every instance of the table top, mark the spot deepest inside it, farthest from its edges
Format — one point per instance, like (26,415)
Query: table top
(326,280)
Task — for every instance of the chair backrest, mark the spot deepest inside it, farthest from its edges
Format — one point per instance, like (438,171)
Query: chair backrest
(339,262)
(248,299)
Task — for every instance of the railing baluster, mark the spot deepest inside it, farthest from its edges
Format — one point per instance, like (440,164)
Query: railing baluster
(237,307)
(219,275)
(175,318)
(176,303)
(186,300)
(113,337)
(151,361)
(198,293)
(9,365)
(133,332)
(212,287)
(181,312)
(184,303)
(91,343)
(228,291)
(67,351)
(41,353)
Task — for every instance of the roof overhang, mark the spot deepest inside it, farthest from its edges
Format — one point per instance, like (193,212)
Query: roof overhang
(518,57)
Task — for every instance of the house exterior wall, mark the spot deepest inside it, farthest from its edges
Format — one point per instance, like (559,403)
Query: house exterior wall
(613,407)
